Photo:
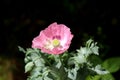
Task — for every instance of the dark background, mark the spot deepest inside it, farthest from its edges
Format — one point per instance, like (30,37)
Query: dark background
(22,20)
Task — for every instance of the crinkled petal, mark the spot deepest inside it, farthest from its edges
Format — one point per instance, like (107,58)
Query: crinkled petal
(53,31)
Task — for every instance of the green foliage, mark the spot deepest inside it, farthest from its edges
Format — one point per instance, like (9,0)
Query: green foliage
(112,64)
(94,59)
(67,66)
(100,77)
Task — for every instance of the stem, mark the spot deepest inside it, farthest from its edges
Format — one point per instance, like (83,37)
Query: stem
(46,60)
(62,74)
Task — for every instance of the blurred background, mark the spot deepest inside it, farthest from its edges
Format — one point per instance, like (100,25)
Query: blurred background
(22,20)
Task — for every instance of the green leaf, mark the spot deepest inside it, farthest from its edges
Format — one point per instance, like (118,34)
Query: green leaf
(100,77)
(96,77)
(85,51)
(21,49)
(80,59)
(99,70)
(94,49)
(27,59)
(107,77)
(93,46)
(112,64)
(88,43)
(58,65)
(58,62)
(39,62)
(72,74)
(94,59)
(47,78)
(29,66)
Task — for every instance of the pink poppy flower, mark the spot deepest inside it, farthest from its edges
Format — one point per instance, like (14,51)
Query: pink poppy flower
(55,39)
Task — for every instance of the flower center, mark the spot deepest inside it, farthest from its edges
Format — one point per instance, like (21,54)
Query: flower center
(52,44)
(56,42)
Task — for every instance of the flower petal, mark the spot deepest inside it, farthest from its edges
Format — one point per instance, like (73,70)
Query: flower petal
(54,31)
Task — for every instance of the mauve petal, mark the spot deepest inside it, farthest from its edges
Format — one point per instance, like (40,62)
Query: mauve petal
(54,30)
(66,36)
(51,30)
(39,41)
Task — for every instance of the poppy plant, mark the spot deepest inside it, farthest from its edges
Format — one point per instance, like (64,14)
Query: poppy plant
(81,64)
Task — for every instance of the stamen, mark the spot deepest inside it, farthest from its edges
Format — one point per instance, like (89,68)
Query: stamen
(52,44)
(56,42)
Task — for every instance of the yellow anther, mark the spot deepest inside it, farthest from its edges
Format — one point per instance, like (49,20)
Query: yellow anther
(56,42)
